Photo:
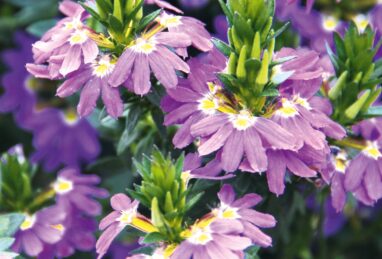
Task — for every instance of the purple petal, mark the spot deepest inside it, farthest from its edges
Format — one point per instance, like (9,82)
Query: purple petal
(355,172)
(122,68)
(255,151)
(216,141)
(276,171)
(72,60)
(141,74)
(120,202)
(233,151)
(163,70)
(112,100)
(90,51)
(259,219)
(89,97)
(227,194)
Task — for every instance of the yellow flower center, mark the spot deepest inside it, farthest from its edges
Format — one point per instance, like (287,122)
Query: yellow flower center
(127,216)
(226,212)
(372,150)
(103,67)
(341,161)
(144,46)
(75,24)
(78,37)
(362,21)
(169,20)
(200,233)
(243,120)
(287,109)
(329,23)
(28,222)
(62,185)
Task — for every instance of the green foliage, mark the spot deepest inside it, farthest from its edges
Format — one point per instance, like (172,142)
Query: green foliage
(16,191)
(164,192)
(250,51)
(356,88)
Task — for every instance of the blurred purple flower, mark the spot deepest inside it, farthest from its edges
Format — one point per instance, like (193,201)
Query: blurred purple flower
(59,137)
(78,234)
(39,229)
(193,4)
(221,27)
(164,4)
(75,189)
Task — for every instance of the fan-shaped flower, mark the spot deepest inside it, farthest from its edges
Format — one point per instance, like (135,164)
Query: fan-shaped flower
(38,229)
(240,209)
(94,80)
(150,52)
(125,213)
(74,189)
(211,238)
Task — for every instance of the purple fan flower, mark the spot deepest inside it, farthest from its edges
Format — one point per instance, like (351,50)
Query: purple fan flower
(78,234)
(242,134)
(240,210)
(193,98)
(66,46)
(200,37)
(39,229)
(212,238)
(125,213)
(74,189)
(62,138)
(363,176)
(94,80)
(59,137)
(148,54)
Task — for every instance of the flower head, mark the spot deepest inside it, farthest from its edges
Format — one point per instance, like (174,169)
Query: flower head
(125,213)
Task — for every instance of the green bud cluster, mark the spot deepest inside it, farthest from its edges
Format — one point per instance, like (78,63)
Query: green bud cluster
(16,192)
(358,75)
(250,51)
(164,192)
(122,19)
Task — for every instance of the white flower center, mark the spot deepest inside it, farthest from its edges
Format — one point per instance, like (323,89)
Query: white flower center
(329,23)
(28,222)
(70,117)
(200,235)
(78,37)
(288,109)
(362,21)
(144,46)
(62,185)
(243,120)
(372,150)
(169,20)
(103,68)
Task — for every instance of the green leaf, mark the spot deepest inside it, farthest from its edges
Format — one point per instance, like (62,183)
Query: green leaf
(226,11)
(251,252)
(222,47)
(270,92)
(5,243)
(148,19)
(91,11)
(193,201)
(154,237)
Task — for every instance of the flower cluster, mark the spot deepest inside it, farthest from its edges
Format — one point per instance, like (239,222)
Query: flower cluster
(241,106)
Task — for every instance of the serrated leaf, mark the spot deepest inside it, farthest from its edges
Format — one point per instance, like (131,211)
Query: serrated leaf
(192,202)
